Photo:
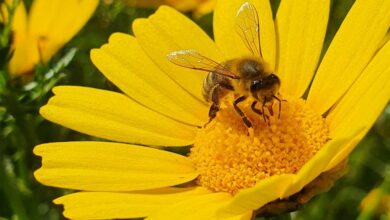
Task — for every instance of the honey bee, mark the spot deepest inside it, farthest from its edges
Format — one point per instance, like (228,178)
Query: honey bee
(246,76)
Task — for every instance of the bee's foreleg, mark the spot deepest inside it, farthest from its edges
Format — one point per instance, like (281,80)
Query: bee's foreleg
(256,110)
(262,109)
(280,104)
(246,121)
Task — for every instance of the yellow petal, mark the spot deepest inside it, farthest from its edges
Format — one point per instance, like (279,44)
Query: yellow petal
(301,31)
(385,40)
(366,99)
(201,207)
(24,58)
(18,61)
(115,117)
(19,21)
(318,164)
(202,6)
(229,40)
(125,64)
(52,23)
(144,4)
(343,152)
(350,51)
(110,205)
(183,5)
(205,8)
(167,31)
(103,166)
(363,103)
(253,198)
(3,13)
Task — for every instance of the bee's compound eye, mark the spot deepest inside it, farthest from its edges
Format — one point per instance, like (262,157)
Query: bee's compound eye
(272,79)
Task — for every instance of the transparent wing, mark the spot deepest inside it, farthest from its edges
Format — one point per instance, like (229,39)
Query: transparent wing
(248,27)
(194,60)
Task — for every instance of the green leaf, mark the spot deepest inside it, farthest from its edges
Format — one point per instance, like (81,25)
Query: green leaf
(3,81)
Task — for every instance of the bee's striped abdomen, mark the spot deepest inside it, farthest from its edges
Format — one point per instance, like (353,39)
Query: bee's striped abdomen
(215,81)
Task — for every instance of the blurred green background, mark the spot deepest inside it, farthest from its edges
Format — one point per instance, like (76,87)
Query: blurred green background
(21,197)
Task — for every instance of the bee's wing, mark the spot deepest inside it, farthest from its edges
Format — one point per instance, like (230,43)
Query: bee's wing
(194,60)
(248,27)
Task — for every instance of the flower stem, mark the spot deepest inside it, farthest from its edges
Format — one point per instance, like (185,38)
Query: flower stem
(6,33)
(9,186)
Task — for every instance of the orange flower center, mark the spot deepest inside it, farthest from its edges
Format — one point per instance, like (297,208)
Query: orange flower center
(230,157)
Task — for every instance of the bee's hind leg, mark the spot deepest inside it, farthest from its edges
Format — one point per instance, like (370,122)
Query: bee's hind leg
(246,121)
(212,113)
(214,108)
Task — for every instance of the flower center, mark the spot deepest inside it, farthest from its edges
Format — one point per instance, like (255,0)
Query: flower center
(230,157)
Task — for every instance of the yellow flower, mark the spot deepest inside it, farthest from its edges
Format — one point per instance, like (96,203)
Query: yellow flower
(199,7)
(376,202)
(228,173)
(49,25)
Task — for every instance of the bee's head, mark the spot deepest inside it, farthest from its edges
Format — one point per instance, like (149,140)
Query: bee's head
(266,88)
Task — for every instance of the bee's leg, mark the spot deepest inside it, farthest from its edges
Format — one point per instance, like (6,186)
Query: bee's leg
(280,105)
(246,121)
(271,109)
(254,109)
(214,108)
(212,113)
(264,116)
